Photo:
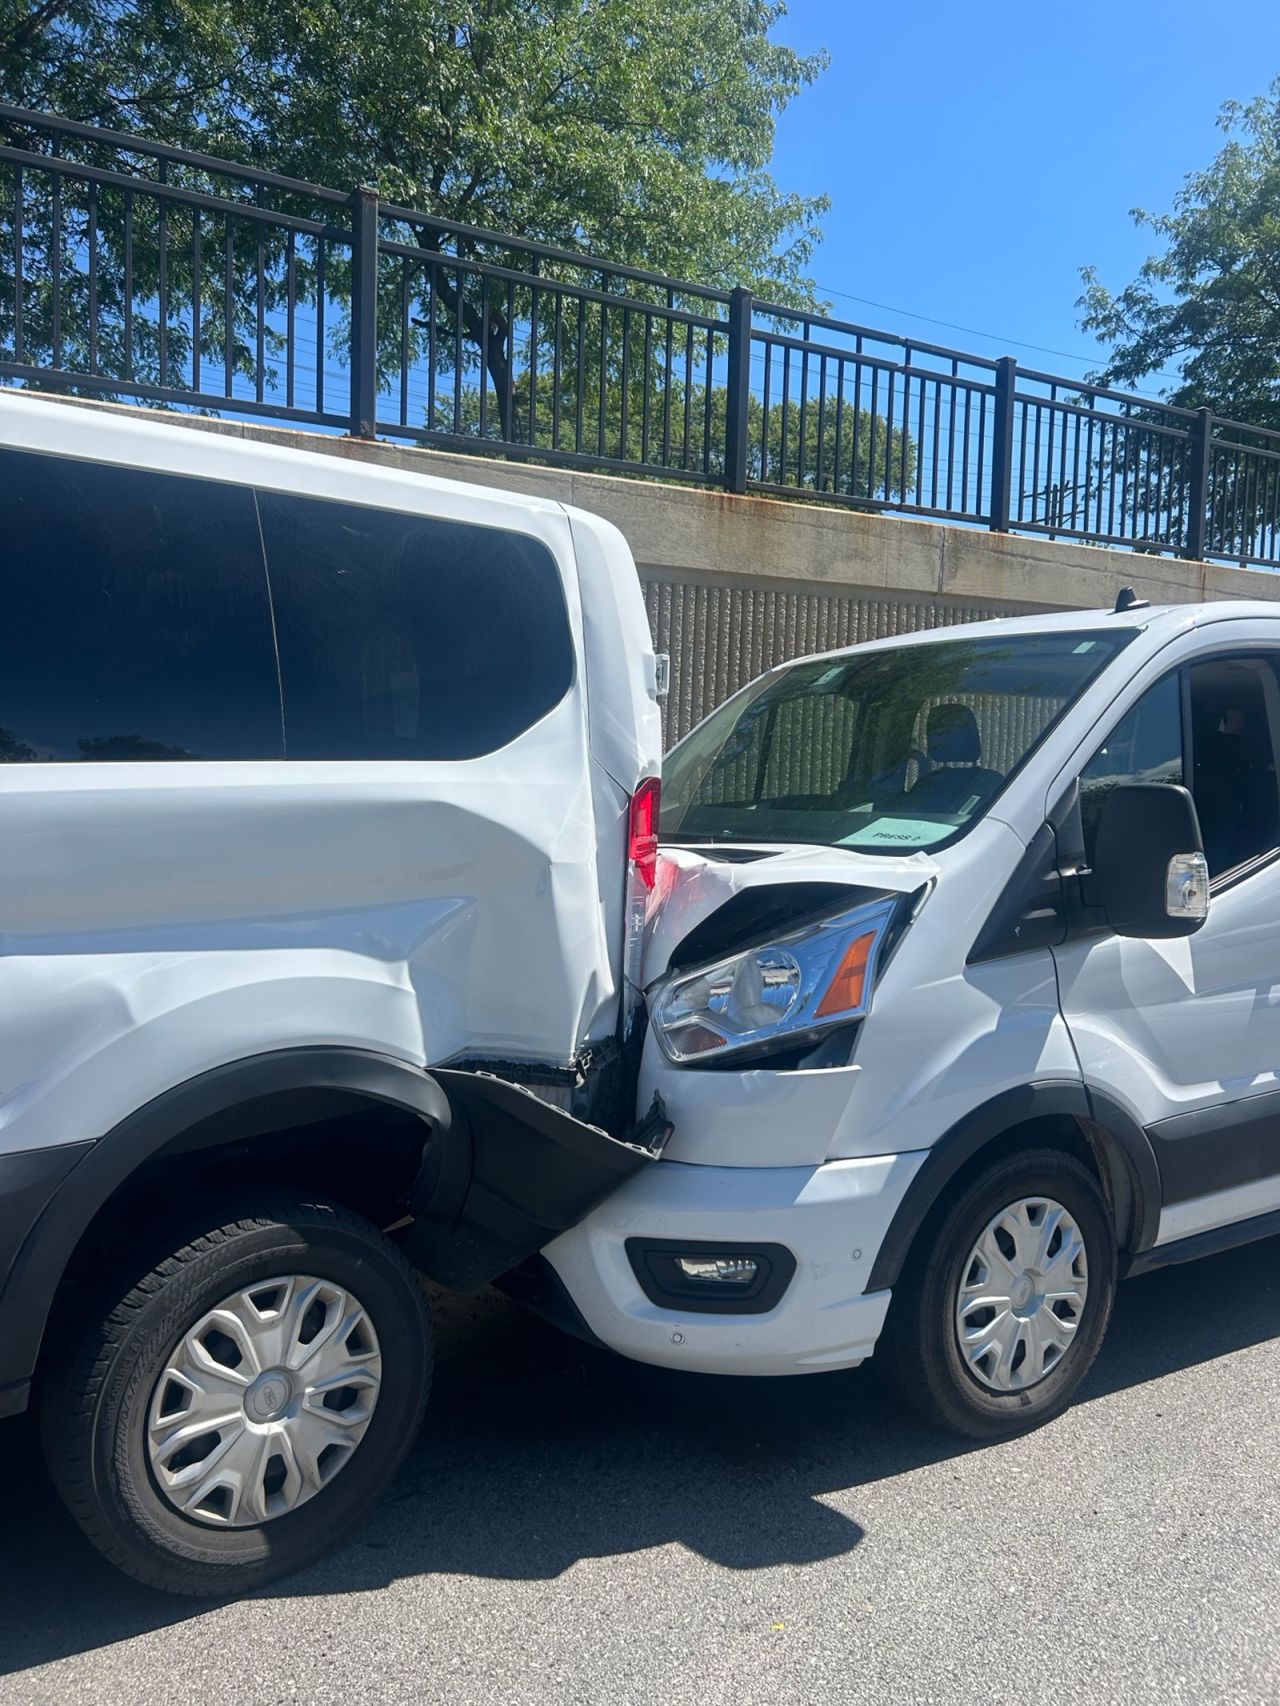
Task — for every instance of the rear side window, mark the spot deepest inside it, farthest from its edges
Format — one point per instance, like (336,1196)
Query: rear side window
(1235,712)
(409,637)
(134,617)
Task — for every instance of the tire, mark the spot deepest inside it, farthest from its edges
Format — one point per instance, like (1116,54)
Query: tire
(105,1417)
(924,1358)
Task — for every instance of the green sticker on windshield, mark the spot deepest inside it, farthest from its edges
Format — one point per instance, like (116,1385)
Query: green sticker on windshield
(896,832)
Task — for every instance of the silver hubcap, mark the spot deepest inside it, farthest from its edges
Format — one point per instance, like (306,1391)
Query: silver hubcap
(1022,1294)
(263,1401)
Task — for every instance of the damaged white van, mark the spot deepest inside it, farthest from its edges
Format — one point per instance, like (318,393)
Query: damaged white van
(311,774)
(961,1004)
(336,946)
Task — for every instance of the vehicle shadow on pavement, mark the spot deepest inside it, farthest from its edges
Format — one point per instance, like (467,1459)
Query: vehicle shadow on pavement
(539,1451)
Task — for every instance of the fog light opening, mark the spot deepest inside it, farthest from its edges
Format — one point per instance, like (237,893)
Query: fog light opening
(718,1270)
(711,1278)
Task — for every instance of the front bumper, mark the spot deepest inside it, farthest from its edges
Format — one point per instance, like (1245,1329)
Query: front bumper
(831,1217)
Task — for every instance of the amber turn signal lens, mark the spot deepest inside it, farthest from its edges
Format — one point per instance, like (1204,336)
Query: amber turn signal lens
(845,991)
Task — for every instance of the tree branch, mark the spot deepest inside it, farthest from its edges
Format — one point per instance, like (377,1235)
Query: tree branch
(31,25)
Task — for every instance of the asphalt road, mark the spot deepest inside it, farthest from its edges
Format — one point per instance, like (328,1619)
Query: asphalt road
(575,1528)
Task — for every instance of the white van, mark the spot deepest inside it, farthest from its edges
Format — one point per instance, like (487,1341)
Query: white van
(962,1003)
(311,773)
(328,877)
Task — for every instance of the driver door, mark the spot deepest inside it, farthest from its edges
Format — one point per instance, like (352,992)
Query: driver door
(1185,1033)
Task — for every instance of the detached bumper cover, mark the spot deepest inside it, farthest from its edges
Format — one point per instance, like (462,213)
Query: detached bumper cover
(508,1175)
(831,1217)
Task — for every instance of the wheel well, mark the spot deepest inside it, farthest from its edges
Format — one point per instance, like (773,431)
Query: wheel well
(348,1148)
(1078,1137)
(1047,1131)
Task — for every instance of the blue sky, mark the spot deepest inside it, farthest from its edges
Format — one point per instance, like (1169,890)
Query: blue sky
(978,155)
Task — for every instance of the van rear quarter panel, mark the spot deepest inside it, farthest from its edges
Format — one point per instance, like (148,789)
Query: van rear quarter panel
(155,922)
(624,724)
(161,919)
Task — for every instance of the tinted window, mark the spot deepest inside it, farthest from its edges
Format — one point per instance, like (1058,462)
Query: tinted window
(1235,704)
(135,617)
(894,749)
(1144,746)
(407,637)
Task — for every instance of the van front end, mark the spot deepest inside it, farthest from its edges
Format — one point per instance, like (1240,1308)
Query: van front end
(760,1243)
(843,994)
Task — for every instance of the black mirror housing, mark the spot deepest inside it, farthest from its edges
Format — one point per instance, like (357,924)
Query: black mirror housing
(1149,872)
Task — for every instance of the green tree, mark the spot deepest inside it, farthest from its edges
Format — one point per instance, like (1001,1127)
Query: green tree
(1208,304)
(839,450)
(1207,307)
(636,130)
(845,451)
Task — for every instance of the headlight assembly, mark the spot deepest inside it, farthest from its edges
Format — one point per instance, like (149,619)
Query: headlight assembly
(778,994)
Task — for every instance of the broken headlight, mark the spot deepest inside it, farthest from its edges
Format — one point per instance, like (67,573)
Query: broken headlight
(779,993)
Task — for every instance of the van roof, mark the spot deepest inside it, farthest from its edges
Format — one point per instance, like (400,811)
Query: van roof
(1159,618)
(70,427)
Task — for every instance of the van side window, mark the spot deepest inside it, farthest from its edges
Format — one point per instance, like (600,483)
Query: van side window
(1144,746)
(1235,709)
(135,621)
(404,636)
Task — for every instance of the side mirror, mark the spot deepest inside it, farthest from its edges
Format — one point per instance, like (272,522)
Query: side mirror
(1149,870)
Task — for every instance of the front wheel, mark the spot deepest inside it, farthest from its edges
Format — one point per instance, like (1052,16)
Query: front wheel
(232,1413)
(1006,1298)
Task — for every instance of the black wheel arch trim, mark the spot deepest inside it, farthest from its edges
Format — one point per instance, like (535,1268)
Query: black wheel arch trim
(514,1173)
(1120,1145)
(212,1101)
(14,1398)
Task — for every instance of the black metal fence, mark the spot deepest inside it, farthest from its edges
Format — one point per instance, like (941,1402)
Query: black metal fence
(132,270)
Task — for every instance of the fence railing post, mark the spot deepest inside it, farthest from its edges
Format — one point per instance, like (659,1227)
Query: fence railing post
(1198,486)
(1002,445)
(738,393)
(364,313)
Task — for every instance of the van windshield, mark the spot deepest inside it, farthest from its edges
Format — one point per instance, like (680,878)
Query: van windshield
(888,751)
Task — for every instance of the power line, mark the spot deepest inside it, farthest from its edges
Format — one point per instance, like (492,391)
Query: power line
(973,332)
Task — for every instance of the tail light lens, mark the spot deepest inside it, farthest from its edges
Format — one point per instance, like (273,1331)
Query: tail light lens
(642,878)
(642,834)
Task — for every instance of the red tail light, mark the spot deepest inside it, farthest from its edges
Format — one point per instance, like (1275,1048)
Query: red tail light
(642,830)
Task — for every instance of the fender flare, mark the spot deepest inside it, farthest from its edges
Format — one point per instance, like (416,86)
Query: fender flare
(217,1102)
(1120,1145)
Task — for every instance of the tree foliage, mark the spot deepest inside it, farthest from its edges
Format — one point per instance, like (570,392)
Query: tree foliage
(1208,304)
(640,130)
(830,447)
(636,131)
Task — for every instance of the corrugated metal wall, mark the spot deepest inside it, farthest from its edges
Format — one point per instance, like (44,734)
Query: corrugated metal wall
(720,637)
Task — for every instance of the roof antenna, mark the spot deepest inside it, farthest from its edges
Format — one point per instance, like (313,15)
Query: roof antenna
(1129,600)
